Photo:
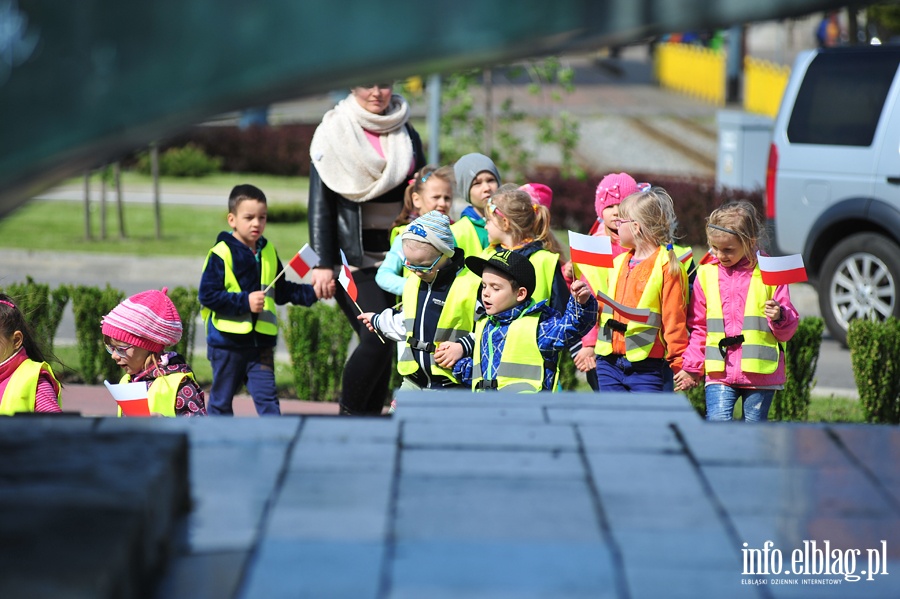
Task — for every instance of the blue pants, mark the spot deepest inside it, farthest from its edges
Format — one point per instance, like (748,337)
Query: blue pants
(720,401)
(616,373)
(233,368)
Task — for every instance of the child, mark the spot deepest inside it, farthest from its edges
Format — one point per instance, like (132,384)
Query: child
(515,222)
(239,305)
(27,383)
(438,303)
(519,342)
(737,323)
(477,178)
(636,339)
(135,333)
(430,189)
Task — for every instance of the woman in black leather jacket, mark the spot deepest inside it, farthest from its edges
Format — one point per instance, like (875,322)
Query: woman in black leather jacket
(363,154)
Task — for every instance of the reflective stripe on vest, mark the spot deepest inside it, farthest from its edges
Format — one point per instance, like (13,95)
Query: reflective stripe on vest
(759,351)
(19,395)
(466,237)
(521,367)
(456,320)
(162,393)
(639,336)
(267,320)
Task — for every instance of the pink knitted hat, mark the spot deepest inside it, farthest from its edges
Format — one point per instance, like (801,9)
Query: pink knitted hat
(613,188)
(540,194)
(148,320)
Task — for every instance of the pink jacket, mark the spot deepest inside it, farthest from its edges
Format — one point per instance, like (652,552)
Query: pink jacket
(733,284)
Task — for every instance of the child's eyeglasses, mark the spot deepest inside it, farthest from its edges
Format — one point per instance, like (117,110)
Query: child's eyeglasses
(121,351)
(417,268)
(620,221)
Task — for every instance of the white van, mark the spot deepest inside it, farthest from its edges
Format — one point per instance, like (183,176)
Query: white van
(833,180)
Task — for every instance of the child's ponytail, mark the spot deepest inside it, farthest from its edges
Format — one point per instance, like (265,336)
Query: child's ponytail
(542,230)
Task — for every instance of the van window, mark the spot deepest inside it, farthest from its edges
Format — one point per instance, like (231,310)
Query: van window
(840,99)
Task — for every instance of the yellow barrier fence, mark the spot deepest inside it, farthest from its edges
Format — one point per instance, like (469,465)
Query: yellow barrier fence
(693,70)
(764,84)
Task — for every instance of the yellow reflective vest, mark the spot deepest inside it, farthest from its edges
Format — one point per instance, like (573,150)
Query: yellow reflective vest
(521,367)
(19,395)
(267,320)
(545,265)
(760,351)
(162,392)
(639,336)
(466,237)
(456,320)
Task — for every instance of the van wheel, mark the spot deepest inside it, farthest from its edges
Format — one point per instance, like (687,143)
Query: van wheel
(859,279)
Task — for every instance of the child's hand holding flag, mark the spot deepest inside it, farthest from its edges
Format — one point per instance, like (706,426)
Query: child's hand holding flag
(304,261)
(590,251)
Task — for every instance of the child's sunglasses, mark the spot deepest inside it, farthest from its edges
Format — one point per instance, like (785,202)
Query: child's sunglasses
(417,268)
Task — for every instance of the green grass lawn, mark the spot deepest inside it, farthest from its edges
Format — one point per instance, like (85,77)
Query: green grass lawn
(187,230)
(276,188)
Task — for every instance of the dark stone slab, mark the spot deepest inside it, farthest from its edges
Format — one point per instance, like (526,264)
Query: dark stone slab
(203,576)
(131,487)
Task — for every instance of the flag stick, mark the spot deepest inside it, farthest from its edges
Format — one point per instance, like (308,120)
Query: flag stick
(360,311)
(281,274)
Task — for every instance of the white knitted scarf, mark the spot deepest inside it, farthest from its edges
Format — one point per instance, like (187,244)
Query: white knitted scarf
(347,162)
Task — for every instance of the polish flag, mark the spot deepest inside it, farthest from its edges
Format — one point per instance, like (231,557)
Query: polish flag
(131,397)
(635,314)
(305,260)
(707,258)
(781,270)
(686,257)
(591,251)
(346,278)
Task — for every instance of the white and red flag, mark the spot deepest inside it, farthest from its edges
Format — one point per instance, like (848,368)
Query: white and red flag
(686,256)
(131,397)
(635,314)
(781,270)
(590,250)
(346,278)
(305,260)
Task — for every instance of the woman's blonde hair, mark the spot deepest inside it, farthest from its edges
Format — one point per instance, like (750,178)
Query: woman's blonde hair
(526,219)
(654,210)
(416,185)
(741,220)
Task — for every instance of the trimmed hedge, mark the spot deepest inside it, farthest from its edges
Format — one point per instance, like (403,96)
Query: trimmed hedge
(318,339)
(41,308)
(875,355)
(276,150)
(89,305)
(801,356)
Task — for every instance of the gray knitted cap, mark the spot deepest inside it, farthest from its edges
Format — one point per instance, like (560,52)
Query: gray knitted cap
(468,167)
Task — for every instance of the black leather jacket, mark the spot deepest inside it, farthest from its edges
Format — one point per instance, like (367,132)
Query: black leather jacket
(334,221)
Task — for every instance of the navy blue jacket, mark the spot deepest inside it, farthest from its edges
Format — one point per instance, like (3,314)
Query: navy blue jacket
(246,267)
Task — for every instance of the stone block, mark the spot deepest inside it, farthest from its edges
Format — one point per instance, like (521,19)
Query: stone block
(299,569)
(484,463)
(502,568)
(467,435)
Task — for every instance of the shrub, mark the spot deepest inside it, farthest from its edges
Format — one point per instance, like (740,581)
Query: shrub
(875,356)
(42,309)
(187,302)
(286,213)
(276,150)
(568,374)
(90,304)
(694,198)
(317,339)
(187,161)
(697,397)
(801,356)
